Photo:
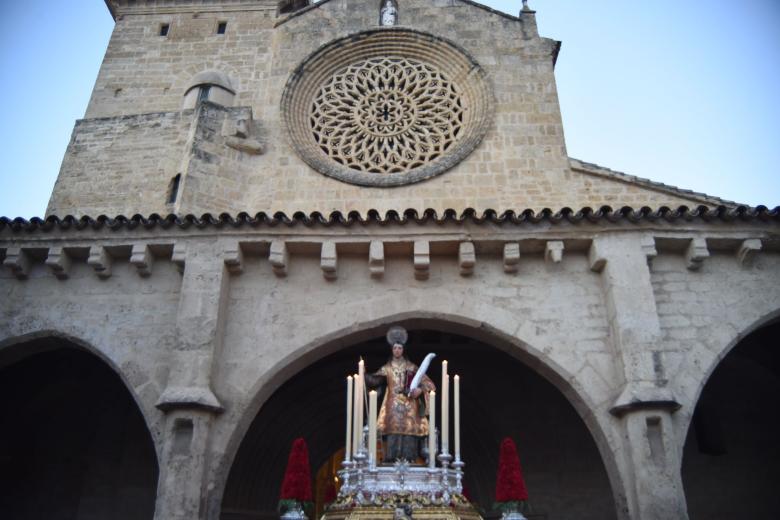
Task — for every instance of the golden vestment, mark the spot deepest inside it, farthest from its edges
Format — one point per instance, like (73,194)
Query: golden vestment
(400,414)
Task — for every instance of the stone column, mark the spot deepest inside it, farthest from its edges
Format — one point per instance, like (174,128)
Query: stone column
(188,400)
(648,457)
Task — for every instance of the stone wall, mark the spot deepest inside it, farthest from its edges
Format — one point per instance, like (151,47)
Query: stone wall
(255,307)
(521,163)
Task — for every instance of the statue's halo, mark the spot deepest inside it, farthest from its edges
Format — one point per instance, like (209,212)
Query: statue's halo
(397,334)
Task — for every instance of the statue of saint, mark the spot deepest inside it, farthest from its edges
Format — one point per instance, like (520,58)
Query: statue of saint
(403,421)
(388,14)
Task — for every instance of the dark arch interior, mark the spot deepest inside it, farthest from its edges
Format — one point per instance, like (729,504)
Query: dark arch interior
(73,443)
(732,452)
(501,397)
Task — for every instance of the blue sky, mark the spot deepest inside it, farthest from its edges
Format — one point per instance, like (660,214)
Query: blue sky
(679,92)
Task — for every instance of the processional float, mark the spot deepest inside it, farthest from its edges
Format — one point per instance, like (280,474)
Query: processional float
(401,489)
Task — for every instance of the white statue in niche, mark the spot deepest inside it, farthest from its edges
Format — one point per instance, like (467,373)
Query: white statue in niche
(388,14)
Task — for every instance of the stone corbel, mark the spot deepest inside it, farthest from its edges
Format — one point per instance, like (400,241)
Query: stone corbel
(237,133)
(18,262)
(596,259)
(648,248)
(141,257)
(59,262)
(279,257)
(234,258)
(422,259)
(467,258)
(376,259)
(553,251)
(511,257)
(179,256)
(747,251)
(696,253)
(100,261)
(329,260)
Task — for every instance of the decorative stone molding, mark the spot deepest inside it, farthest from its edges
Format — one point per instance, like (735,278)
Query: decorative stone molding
(387,107)
(234,258)
(18,262)
(696,253)
(279,257)
(329,260)
(596,259)
(511,257)
(376,259)
(553,251)
(141,257)
(422,259)
(747,251)
(467,258)
(179,256)
(100,261)
(59,262)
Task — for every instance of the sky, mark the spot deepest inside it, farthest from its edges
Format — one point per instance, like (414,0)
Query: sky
(684,93)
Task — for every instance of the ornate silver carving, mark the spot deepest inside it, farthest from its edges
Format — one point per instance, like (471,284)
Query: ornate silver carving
(397,334)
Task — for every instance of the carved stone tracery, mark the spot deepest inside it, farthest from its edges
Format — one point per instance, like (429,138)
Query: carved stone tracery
(387,115)
(387,107)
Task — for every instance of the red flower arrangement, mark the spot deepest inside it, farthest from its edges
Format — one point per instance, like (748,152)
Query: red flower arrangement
(330,493)
(510,486)
(296,486)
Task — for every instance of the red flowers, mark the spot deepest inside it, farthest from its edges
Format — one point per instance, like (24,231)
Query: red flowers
(297,478)
(510,486)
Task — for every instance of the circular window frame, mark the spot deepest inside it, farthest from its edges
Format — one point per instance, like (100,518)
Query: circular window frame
(316,70)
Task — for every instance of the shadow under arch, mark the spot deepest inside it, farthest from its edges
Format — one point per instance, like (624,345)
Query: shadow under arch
(764,321)
(333,342)
(730,450)
(79,445)
(16,348)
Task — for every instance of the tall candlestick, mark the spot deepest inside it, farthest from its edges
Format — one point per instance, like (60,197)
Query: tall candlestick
(350,397)
(432,430)
(372,428)
(356,427)
(457,417)
(445,408)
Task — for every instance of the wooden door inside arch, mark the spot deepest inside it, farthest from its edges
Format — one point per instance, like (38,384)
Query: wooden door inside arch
(501,397)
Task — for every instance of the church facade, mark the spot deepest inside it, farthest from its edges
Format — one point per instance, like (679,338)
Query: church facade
(260,189)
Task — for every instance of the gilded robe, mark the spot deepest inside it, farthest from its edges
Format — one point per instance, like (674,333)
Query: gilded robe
(400,414)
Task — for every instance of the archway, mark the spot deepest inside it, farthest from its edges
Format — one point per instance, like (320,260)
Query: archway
(731,452)
(501,397)
(74,443)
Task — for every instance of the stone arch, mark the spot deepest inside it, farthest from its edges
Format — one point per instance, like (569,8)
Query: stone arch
(535,359)
(76,342)
(219,88)
(757,324)
(79,424)
(729,449)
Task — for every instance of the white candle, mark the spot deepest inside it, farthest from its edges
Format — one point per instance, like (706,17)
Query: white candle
(372,428)
(362,402)
(445,408)
(457,417)
(432,430)
(356,427)
(350,397)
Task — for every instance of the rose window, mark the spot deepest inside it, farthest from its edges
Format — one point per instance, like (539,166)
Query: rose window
(387,115)
(386,107)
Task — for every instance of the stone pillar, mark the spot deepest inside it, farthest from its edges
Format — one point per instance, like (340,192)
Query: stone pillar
(648,457)
(188,400)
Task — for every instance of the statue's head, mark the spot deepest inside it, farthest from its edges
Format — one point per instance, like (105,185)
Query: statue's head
(396,338)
